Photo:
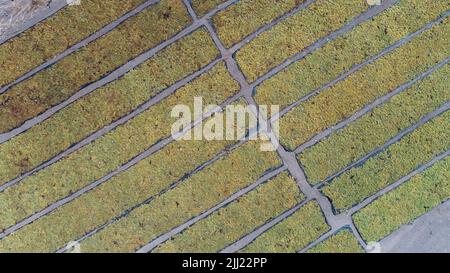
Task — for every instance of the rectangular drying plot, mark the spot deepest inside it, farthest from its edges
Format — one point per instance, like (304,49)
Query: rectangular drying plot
(364,86)
(242,216)
(246,16)
(293,233)
(198,193)
(375,128)
(202,7)
(105,105)
(338,56)
(55,84)
(399,159)
(342,242)
(404,204)
(296,33)
(136,185)
(140,182)
(57,33)
(112,150)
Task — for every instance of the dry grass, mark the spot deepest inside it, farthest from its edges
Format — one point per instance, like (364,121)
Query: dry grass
(202,7)
(293,233)
(55,84)
(203,190)
(232,222)
(366,85)
(294,34)
(236,22)
(399,159)
(106,104)
(404,204)
(57,33)
(342,242)
(110,151)
(376,128)
(328,62)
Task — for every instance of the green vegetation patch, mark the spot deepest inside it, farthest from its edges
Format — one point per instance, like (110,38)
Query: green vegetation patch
(242,216)
(364,86)
(292,234)
(202,7)
(295,33)
(103,106)
(193,196)
(238,21)
(57,83)
(404,204)
(397,160)
(57,33)
(342,242)
(114,149)
(375,128)
(331,60)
